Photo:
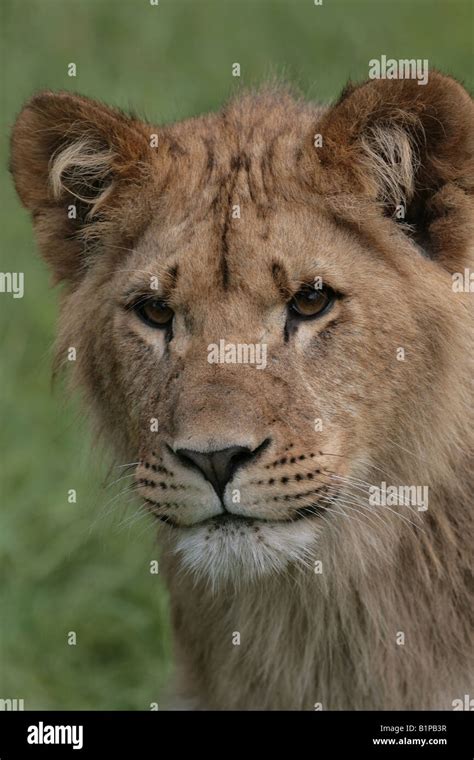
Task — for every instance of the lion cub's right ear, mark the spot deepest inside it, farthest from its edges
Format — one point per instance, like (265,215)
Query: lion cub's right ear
(75,163)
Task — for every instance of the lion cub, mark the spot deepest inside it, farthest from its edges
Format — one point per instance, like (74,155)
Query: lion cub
(262,306)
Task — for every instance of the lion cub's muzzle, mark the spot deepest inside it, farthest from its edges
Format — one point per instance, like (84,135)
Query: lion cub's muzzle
(185,486)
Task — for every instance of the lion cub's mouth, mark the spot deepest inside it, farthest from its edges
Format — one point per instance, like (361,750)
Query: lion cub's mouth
(230,520)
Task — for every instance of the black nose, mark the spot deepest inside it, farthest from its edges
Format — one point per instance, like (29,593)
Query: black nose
(218,467)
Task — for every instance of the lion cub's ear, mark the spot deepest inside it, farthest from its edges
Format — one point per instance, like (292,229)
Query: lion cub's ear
(75,163)
(410,149)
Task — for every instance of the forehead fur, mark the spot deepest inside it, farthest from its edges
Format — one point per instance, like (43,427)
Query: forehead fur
(260,136)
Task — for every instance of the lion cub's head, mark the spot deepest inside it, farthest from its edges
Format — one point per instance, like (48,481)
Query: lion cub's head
(261,304)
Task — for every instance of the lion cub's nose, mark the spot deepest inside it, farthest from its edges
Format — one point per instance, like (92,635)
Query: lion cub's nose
(218,467)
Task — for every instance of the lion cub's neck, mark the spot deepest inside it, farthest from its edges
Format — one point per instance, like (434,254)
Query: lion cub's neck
(378,638)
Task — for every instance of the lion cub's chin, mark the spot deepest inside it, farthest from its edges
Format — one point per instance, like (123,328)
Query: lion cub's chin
(242,551)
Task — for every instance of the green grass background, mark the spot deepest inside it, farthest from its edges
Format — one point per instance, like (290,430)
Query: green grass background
(82,567)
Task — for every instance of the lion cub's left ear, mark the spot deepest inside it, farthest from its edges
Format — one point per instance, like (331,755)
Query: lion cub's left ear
(408,148)
(77,165)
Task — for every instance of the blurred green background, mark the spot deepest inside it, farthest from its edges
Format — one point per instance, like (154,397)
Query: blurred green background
(85,567)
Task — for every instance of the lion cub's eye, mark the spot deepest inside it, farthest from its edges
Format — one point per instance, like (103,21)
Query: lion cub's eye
(311,302)
(154,312)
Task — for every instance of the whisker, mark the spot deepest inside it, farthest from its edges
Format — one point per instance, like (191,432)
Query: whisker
(117,480)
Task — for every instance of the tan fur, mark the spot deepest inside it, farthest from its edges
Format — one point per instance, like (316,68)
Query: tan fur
(86,164)
(306,637)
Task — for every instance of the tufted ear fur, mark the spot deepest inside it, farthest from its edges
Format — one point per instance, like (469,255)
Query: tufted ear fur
(77,165)
(409,148)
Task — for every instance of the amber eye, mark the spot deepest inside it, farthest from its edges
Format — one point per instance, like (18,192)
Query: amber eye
(154,312)
(311,302)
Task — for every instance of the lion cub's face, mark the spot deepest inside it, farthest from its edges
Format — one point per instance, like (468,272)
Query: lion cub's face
(255,446)
(242,313)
